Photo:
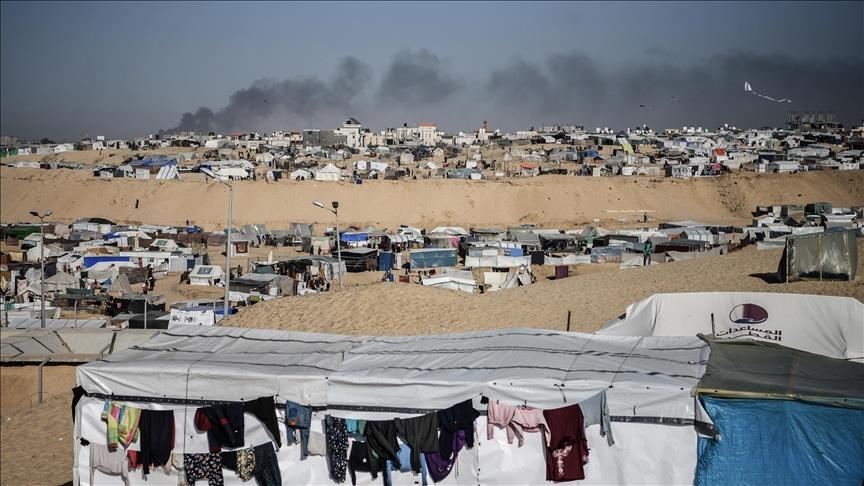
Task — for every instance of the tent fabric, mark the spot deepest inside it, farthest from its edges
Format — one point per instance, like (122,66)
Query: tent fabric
(826,325)
(830,255)
(769,370)
(648,376)
(781,442)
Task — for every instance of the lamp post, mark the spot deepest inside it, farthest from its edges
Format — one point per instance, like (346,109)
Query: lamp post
(335,211)
(228,250)
(42,262)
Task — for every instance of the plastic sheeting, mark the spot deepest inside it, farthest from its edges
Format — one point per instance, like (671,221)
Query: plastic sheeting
(830,255)
(826,325)
(769,370)
(648,376)
(781,442)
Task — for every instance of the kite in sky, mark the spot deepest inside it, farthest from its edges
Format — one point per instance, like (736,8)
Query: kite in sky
(749,89)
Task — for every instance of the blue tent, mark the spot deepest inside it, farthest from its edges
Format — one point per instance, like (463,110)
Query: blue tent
(780,416)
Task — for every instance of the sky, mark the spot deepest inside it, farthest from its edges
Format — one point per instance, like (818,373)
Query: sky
(76,69)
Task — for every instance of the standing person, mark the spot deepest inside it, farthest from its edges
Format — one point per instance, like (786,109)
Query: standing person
(647,250)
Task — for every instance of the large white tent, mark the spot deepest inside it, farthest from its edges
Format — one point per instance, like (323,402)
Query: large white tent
(647,383)
(826,325)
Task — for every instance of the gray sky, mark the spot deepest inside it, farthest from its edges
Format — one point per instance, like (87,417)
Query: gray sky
(72,69)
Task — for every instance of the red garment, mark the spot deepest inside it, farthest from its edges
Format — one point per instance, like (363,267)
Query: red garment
(568,447)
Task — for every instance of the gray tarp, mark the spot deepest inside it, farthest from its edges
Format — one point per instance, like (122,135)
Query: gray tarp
(757,369)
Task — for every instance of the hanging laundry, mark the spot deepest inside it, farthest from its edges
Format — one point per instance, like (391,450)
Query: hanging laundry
(406,454)
(242,462)
(299,418)
(203,466)
(337,447)
(438,465)
(568,447)
(108,462)
(749,89)
(157,438)
(356,428)
(595,410)
(264,409)
(421,435)
(359,461)
(224,425)
(516,419)
(451,420)
(122,421)
(381,440)
(266,470)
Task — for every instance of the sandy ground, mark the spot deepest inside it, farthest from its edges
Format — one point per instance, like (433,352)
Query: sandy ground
(36,447)
(548,201)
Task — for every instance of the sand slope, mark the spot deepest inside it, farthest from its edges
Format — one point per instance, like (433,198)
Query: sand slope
(548,201)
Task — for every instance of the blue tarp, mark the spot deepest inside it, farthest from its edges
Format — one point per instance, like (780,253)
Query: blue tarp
(432,258)
(89,261)
(773,442)
(385,261)
(354,237)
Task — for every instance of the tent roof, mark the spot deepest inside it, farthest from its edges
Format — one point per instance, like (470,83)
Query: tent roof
(752,368)
(537,366)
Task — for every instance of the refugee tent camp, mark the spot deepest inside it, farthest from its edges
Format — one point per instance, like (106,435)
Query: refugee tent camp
(638,387)
(829,255)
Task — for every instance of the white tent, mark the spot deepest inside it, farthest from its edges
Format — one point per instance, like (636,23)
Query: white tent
(232,172)
(328,173)
(646,381)
(168,172)
(826,325)
(206,275)
(455,280)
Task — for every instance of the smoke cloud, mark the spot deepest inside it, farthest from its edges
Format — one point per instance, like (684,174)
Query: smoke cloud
(293,99)
(572,87)
(564,87)
(417,77)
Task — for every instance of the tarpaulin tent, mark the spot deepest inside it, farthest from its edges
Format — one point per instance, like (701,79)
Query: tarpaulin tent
(645,381)
(831,255)
(827,325)
(781,416)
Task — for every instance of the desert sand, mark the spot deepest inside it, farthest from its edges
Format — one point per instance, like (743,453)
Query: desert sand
(37,447)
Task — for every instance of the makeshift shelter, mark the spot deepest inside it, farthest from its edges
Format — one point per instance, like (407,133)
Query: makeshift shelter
(329,173)
(640,384)
(206,275)
(831,255)
(780,416)
(453,280)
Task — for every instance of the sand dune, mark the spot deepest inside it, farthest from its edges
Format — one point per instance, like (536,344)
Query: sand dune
(548,201)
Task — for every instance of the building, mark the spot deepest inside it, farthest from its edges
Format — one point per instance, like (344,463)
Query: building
(353,132)
(812,121)
(428,134)
(322,138)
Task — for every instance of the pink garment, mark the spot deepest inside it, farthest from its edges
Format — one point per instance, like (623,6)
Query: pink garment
(516,420)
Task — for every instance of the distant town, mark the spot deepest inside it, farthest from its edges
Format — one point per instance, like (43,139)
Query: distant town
(810,141)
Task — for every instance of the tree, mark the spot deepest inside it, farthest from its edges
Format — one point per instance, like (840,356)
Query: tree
(47,141)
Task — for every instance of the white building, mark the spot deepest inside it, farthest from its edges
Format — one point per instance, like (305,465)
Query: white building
(353,132)
(429,134)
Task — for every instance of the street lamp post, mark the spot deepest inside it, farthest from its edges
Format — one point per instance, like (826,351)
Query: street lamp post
(228,250)
(42,262)
(335,211)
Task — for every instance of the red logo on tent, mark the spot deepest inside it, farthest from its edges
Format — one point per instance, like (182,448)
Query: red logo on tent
(748,314)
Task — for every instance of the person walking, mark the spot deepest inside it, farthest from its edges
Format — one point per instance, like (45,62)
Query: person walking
(647,250)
